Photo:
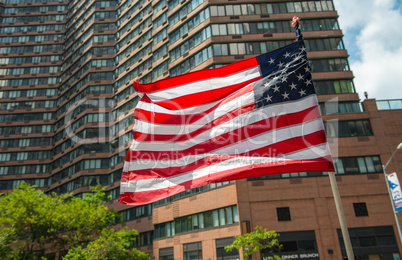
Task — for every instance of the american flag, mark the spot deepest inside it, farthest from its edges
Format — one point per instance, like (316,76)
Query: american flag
(251,118)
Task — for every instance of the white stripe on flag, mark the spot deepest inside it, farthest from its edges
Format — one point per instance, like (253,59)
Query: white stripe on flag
(238,122)
(155,108)
(169,129)
(277,109)
(251,143)
(185,129)
(205,85)
(248,145)
(160,183)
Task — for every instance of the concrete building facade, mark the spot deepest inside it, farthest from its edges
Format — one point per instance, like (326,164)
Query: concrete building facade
(66,105)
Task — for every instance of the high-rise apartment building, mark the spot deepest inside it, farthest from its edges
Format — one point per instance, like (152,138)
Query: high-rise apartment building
(66,105)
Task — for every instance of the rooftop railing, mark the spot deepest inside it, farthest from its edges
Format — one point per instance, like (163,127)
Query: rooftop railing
(389,104)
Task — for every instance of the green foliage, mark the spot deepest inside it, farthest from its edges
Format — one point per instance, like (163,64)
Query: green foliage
(255,241)
(111,245)
(34,222)
(6,237)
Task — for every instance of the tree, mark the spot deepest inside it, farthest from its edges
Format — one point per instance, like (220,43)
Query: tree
(111,245)
(6,237)
(36,225)
(260,239)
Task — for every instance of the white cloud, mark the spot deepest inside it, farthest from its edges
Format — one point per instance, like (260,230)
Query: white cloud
(374,43)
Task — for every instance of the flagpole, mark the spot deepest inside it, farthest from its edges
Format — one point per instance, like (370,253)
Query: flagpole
(341,216)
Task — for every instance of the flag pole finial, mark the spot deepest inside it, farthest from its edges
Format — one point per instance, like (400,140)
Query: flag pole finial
(296,23)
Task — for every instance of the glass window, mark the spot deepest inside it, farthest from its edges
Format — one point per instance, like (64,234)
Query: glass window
(201,221)
(350,165)
(183,225)
(215,218)
(290,7)
(369,164)
(222,29)
(192,251)
(215,29)
(318,6)
(222,219)
(221,253)
(177,226)
(194,222)
(360,209)
(231,29)
(235,214)
(283,214)
(217,50)
(214,10)
(347,128)
(367,241)
(166,253)
(229,10)
(306,245)
(386,240)
(208,219)
(362,165)
(221,10)
(229,215)
(236,10)
(168,229)
(233,48)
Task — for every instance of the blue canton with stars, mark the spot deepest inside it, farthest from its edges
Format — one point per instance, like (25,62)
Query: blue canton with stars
(286,75)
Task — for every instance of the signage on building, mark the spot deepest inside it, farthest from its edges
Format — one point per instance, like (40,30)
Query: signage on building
(396,190)
(311,256)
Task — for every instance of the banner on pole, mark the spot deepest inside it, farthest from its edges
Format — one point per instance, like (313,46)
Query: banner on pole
(396,190)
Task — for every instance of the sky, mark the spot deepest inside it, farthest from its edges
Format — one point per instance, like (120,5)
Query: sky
(373,38)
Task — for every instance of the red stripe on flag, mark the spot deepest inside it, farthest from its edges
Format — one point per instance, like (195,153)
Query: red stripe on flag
(205,97)
(180,80)
(252,171)
(231,137)
(142,137)
(273,150)
(163,118)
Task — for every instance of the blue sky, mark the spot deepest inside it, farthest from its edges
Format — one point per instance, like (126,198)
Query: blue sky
(373,38)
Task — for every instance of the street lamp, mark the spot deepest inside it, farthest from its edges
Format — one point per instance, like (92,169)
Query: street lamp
(390,194)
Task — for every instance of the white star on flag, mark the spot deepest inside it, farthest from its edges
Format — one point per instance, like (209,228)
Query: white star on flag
(308,82)
(268,98)
(292,86)
(276,88)
(285,95)
(302,92)
(300,77)
(271,61)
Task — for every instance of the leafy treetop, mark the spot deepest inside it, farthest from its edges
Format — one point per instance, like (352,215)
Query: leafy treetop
(34,224)
(260,239)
